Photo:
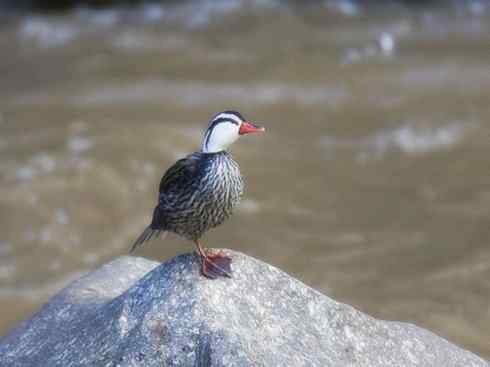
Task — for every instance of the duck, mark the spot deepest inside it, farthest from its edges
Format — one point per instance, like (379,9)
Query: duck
(200,191)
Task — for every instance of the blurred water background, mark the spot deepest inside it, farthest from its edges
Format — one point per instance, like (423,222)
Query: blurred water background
(372,183)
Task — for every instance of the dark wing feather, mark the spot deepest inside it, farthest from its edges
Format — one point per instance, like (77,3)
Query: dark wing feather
(183,169)
(177,176)
(147,235)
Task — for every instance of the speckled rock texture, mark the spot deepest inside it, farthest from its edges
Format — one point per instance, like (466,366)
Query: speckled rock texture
(132,312)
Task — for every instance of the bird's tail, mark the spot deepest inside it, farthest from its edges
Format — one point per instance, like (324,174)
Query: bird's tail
(148,234)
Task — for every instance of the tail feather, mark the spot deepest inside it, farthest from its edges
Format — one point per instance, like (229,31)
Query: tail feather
(147,235)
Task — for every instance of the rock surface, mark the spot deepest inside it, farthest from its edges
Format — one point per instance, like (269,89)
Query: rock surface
(118,316)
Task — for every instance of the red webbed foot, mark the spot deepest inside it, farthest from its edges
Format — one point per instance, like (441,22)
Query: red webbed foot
(214,265)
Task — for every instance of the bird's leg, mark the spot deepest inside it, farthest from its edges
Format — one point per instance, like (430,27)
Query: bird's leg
(213,265)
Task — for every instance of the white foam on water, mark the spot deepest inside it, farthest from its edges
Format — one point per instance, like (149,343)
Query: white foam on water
(356,55)
(102,18)
(25,173)
(153,12)
(477,7)
(134,41)
(79,144)
(387,43)
(345,7)
(199,93)
(406,138)
(384,45)
(48,32)
(41,163)
(44,162)
(413,140)
(200,14)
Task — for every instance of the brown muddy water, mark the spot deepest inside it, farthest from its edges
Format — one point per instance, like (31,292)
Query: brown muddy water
(372,183)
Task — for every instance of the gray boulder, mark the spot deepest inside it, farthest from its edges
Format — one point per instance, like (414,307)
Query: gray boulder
(132,312)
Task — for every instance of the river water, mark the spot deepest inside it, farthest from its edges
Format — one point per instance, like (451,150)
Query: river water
(372,183)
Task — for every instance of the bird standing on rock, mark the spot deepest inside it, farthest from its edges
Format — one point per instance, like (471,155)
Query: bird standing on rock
(200,191)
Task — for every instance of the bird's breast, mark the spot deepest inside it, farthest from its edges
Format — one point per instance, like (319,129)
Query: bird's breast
(222,183)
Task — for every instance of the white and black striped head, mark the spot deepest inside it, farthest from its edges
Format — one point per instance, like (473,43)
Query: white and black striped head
(224,129)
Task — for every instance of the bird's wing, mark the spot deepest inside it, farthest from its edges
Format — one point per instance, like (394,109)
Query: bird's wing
(179,172)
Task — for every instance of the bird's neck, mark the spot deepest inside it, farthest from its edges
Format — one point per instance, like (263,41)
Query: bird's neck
(211,145)
(212,149)
(218,138)
(217,152)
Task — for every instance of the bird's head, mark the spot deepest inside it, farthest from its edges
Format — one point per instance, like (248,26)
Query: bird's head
(224,129)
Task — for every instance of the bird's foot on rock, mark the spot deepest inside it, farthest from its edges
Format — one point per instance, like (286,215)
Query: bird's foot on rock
(215,265)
